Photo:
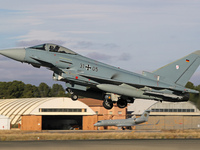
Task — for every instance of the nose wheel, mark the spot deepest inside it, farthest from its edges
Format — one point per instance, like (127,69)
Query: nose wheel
(108,103)
(74,97)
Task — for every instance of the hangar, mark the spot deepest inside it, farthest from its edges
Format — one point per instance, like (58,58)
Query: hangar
(45,113)
(55,113)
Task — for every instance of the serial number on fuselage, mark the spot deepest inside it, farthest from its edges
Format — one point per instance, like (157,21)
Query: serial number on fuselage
(88,67)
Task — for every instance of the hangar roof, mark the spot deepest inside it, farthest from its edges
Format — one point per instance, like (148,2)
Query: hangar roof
(163,108)
(15,108)
(172,108)
(173,105)
(3,117)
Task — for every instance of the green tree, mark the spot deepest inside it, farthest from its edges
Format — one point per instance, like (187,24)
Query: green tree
(15,89)
(36,92)
(195,98)
(30,91)
(3,89)
(44,90)
(57,91)
(190,85)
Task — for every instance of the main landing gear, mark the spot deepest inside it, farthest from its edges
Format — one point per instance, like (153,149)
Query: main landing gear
(121,103)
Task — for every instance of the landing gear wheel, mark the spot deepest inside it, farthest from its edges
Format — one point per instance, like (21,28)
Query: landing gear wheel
(121,103)
(108,104)
(74,97)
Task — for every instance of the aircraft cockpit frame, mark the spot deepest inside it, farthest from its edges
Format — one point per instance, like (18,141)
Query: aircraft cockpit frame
(53,48)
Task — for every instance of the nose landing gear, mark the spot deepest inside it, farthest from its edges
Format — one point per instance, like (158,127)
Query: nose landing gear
(74,97)
(107,103)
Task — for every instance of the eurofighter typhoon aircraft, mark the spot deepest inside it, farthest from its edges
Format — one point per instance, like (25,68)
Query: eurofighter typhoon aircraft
(125,122)
(90,78)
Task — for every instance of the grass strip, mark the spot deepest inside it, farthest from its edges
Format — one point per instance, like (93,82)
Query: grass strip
(45,135)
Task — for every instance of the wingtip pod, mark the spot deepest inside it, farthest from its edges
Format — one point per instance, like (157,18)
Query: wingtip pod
(193,91)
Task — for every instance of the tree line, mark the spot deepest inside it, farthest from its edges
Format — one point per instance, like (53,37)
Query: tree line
(195,98)
(18,89)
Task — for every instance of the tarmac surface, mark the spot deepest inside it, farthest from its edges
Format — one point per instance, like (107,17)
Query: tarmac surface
(100,131)
(178,144)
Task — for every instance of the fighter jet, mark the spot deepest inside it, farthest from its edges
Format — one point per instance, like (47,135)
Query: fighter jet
(125,122)
(90,78)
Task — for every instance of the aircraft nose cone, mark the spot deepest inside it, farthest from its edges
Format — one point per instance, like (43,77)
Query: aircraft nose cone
(16,54)
(96,124)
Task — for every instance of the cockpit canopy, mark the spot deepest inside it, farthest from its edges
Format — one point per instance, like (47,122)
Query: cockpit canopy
(53,48)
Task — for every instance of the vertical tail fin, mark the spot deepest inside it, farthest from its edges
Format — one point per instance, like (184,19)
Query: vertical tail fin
(144,117)
(180,71)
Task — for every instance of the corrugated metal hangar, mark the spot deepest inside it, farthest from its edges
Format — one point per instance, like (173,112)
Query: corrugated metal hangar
(57,113)
(65,114)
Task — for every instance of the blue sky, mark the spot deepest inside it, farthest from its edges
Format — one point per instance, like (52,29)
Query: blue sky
(134,35)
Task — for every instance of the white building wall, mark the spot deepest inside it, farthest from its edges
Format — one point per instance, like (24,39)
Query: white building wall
(4,123)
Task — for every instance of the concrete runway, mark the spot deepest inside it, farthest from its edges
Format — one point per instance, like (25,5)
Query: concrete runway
(103,145)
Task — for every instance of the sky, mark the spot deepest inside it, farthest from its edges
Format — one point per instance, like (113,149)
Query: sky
(136,35)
